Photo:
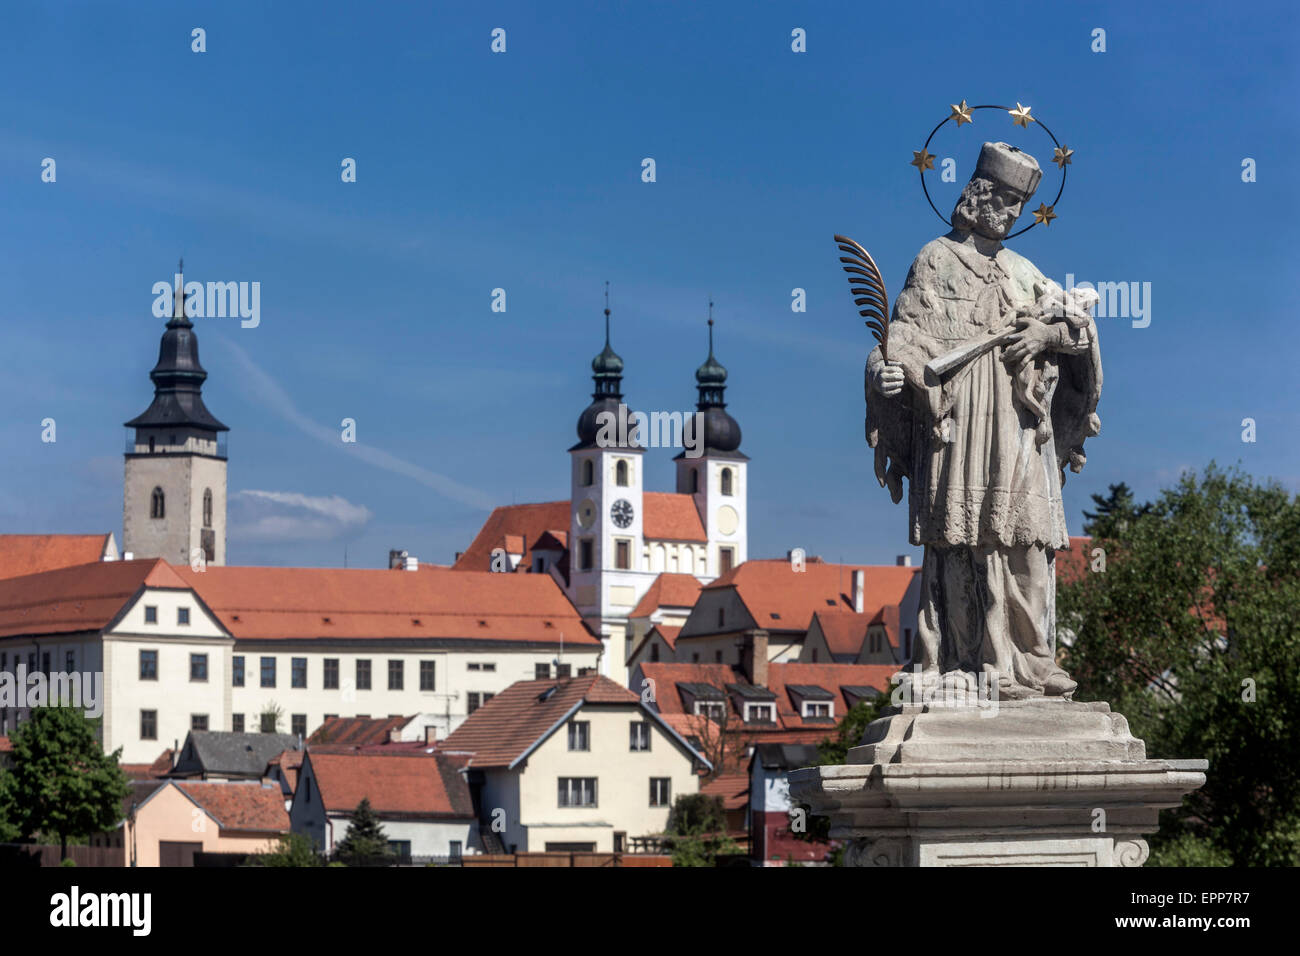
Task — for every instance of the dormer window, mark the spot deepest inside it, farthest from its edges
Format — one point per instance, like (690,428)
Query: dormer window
(760,713)
(818,708)
(714,709)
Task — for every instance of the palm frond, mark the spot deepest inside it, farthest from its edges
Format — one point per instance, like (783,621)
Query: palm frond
(868,288)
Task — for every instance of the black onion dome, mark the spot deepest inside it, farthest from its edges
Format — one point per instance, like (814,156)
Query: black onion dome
(607,375)
(721,431)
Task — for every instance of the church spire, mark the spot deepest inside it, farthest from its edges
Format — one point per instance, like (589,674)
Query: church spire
(607,367)
(721,432)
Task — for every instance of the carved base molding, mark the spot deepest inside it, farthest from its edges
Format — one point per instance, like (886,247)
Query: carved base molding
(1034,783)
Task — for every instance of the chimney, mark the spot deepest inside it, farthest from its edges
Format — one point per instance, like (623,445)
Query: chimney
(396,559)
(904,561)
(859,580)
(412,563)
(430,735)
(753,659)
(395,735)
(128,555)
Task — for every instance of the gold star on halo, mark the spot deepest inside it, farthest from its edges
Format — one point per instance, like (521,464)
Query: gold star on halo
(960,113)
(922,160)
(1044,215)
(1020,115)
(1062,157)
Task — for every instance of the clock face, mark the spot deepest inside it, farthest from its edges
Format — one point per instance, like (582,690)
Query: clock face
(621,512)
(586,513)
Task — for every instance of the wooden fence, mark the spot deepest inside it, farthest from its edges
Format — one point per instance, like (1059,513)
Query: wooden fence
(34,855)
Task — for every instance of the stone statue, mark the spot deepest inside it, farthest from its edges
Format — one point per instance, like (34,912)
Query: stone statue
(987,390)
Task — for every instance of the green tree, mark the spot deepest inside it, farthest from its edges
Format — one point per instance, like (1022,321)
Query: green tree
(366,844)
(293,849)
(1193,633)
(698,830)
(62,783)
(1114,513)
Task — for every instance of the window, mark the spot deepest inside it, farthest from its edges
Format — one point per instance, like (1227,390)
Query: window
(541,672)
(45,662)
(148,725)
(237,723)
(198,721)
(152,441)
(640,736)
(157,501)
(237,671)
(150,614)
(562,670)
(660,791)
(148,665)
(476,700)
(268,723)
(577,791)
(654,651)
(711,708)
(400,849)
(477,666)
(620,473)
(588,473)
(182,615)
(331,677)
(207,507)
(298,725)
(814,655)
(198,667)
(579,735)
(726,481)
(722,616)
(585,554)
(453,849)
(298,672)
(726,559)
(394,675)
(717,656)
(363,675)
(817,708)
(623,554)
(70,661)
(268,671)
(759,712)
(428,671)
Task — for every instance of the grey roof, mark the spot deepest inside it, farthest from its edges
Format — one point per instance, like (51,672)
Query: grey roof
(786,756)
(861,690)
(702,691)
(751,692)
(230,754)
(810,691)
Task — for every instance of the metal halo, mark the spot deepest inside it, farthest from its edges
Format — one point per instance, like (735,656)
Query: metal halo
(988,106)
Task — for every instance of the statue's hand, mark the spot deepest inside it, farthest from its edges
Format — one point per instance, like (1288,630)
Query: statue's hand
(1034,338)
(887,378)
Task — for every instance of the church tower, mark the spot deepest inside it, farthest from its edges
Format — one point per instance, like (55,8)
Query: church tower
(717,478)
(174,502)
(606,543)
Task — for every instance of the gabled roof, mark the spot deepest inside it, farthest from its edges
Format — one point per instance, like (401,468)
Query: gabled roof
(666,632)
(785,756)
(22,554)
(668,590)
(529,522)
(357,731)
(230,754)
(733,788)
(668,675)
(356,603)
(844,630)
(779,598)
(237,805)
(85,597)
(671,517)
(417,784)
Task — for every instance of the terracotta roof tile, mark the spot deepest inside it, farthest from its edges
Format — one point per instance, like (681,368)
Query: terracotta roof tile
(1073,564)
(22,554)
(844,630)
(527,521)
(668,590)
(671,517)
(667,675)
(240,806)
(357,731)
(733,788)
(408,783)
(86,597)
(510,723)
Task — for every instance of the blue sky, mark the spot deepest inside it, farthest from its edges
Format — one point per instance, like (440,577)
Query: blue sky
(522,171)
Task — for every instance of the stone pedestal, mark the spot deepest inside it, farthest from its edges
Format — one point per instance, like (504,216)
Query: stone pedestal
(1042,782)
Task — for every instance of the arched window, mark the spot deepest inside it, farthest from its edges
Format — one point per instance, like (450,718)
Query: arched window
(588,473)
(726,481)
(620,473)
(695,480)
(207,507)
(157,504)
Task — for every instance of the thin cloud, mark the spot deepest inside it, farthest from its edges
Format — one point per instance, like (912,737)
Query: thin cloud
(292,516)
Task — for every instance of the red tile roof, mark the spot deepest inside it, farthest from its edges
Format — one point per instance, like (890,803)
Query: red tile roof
(357,731)
(671,517)
(832,677)
(86,597)
(6,745)
(22,554)
(431,603)
(668,590)
(844,630)
(150,771)
(526,521)
(512,722)
(407,783)
(733,788)
(668,674)
(239,806)
(782,599)
(1074,563)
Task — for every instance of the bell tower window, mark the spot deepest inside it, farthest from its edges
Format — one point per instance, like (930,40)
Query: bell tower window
(157,503)
(588,473)
(207,507)
(726,481)
(620,474)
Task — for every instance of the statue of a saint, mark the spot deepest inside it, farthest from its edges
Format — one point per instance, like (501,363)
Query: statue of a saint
(987,390)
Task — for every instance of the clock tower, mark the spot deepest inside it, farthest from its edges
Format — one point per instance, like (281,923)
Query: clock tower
(717,479)
(607,573)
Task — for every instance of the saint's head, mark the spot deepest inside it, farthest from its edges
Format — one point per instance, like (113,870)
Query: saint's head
(1004,179)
